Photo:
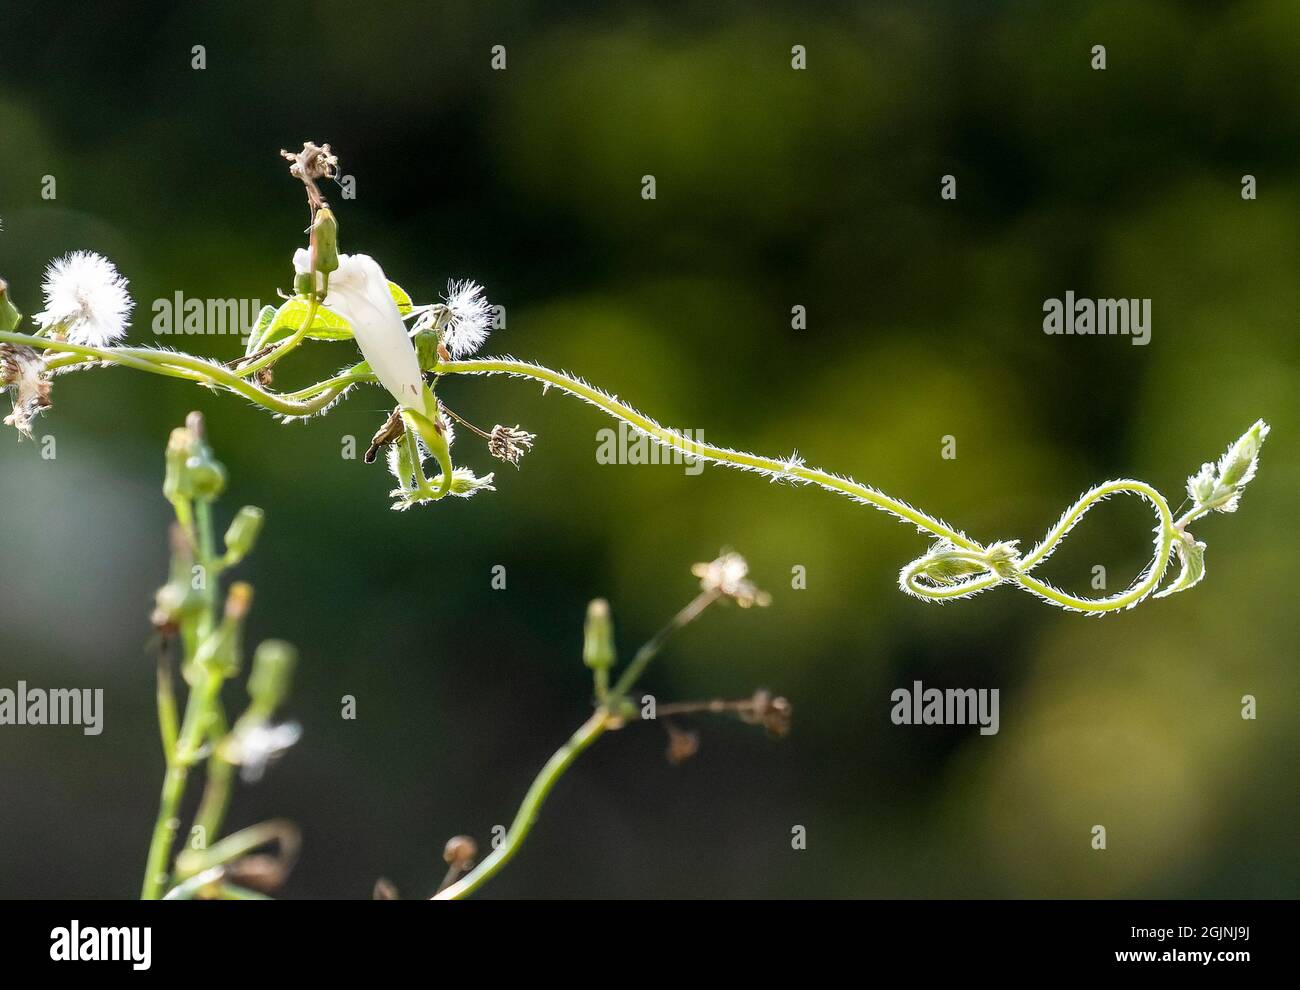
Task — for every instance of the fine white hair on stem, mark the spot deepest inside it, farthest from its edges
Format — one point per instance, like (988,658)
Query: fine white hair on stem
(790,469)
(85,297)
(964,567)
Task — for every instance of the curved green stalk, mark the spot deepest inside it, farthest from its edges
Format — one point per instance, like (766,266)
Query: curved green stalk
(792,468)
(296,338)
(202,371)
(526,816)
(981,571)
(956,567)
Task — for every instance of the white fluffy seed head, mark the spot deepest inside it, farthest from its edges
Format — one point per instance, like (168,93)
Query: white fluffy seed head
(469,318)
(87,297)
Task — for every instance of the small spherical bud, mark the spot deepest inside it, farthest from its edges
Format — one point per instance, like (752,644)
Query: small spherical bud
(192,471)
(174,602)
(207,477)
(460,852)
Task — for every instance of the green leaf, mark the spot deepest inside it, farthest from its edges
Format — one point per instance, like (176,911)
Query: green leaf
(404,304)
(1192,555)
(290,316)
(255,335)
(327,325)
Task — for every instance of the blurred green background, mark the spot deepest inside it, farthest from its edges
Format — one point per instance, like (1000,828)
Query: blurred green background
(775,188)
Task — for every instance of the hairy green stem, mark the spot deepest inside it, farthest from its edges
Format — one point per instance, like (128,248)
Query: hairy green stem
(695,448)
(285,347)
(315,398)
(793,468)
(177,365)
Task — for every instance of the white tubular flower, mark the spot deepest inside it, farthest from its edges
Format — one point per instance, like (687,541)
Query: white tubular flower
(85,298)
(469,318)
(359,293)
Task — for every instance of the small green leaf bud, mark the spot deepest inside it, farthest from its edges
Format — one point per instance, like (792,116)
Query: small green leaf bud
(207,477)
(598,636)
(242,534)
(221,651)
(175,480)
(268,683)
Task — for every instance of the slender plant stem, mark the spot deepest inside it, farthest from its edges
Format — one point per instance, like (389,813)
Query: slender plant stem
(217,787)
(791,468)
(601,721)
(167,724)
(794,468)
(315,398)
(648,651)
(287,346)
(201,709)
(526,816)
(203,372)
(201,699)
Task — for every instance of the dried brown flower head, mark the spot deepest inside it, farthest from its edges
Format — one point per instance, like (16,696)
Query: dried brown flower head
(22,369)
(509,443)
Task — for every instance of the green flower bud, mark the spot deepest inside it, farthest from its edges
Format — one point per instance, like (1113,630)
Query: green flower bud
(175,479)
(325,243)
(10,317)
(1219,486)
(1238,464)
(241,537)
(192,471)
(207,477)
(175,602)
(268,684)
(598,636)
(221,651)
(948,567)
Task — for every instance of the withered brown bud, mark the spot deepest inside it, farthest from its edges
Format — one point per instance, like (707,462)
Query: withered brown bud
(460,852)
(682,744)
(260,871)
(773,713)
(22,369)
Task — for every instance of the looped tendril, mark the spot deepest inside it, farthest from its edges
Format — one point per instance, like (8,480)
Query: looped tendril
(948,572)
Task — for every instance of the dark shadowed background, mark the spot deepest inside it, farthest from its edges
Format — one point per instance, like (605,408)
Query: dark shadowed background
(775,188)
